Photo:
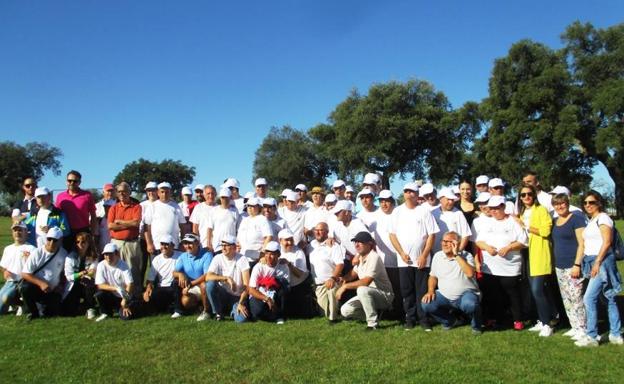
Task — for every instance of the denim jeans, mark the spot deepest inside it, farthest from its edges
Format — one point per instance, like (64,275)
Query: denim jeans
(467,303)
(608,282)
(542,297)
(222,302)
(8,296)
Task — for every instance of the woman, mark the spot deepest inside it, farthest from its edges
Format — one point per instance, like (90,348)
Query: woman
(500,239)
(599,266)
(567,236)
(80,267)
(465,203)
(254,232)
(536,221)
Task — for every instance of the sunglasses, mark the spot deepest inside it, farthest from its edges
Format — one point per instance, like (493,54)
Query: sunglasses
(52,239)
(166,244)
(590,202)
(73,181)
(525,194)
(30,186)
(498,187)
(227,245)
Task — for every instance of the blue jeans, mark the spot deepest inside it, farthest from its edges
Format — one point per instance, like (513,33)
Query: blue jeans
(608,282)
(8,296)
(467,303)
(541,295)
(221,301)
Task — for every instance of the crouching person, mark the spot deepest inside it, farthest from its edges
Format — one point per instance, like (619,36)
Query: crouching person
(452,272)
(370,280)
(160,289)
(41,276)
(227,281)
(13,259)
(268,286)
(113,279)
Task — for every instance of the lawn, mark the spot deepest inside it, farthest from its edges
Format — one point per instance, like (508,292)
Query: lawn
(158,349)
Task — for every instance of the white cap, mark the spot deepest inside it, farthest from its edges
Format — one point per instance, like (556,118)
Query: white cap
(483,197)
(330,198)
(482,179)
(285,234)
(187,191)
(224,192)
(301,187)
(285,192)
(166,238)
(447,193)
(260,181)
(557,190)
(55,233)
(249,195)
(386,194)
(338,184)
(371,178)
(190,238)
(426,189)
(232,182)
(495,182)
(151,185)
(349,188)
(342,205)
(164,184)
(253,201)
(496,201)
(269,201)
(200,187)
(228,239)
(366,191)
(110,248)
(41,191)
(291,196)
(455,189)
(411,186)
(19,224)
(272,246)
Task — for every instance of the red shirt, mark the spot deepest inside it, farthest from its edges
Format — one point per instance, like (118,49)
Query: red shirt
(77,208)
(119,211)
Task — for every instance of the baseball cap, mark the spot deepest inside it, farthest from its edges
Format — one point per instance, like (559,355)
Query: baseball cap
(371,178)
(109,248)
(496,201)
(557,190)
(285,192)
(363,237)
(108,187)
(224,192)
(260,181)
(386,194)
(253,201)
(19,225)
(330,198)
(338,184)
(495,182)
(342,205)
(199,187)
(164,185)
(301,187)
(167,238)
(270,202)
(482,179)
(232,182)
(366,191)
(291,196)
(55,233)
(447,193)
(285,234)
(272,246)
(151,185)
(187,191)
(411,186)
(483,197)
(190,238)
(228,239)
(426,189)
(41,191)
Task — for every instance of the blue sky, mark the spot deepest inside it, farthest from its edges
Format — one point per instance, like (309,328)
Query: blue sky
(203,82)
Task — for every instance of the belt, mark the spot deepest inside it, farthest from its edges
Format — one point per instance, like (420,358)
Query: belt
(128,240)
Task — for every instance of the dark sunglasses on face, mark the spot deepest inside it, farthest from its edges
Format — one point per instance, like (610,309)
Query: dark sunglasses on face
(73,181)
(525,194)
(590,202)
(52,239)
(30,185)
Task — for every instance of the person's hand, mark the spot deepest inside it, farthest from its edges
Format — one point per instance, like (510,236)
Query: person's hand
(44,228)
(576,272)
(242,310)
(421,261)
(595,269)
(150,248)
(340,292)
(428,297)
(504,251)
(126,311)
(182,283)
(406,258)
(455,248)
(44,286)
(231,283)
(491,250)
(330,283)
(146,295)
(185,291)
(270,303)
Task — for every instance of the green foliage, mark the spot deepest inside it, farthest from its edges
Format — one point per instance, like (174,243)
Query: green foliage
(31,160)
(140,172)
(288,157)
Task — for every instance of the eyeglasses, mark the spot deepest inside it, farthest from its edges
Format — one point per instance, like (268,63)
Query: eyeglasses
(73,181)
(166,244)
(590,202)
(51,239)
(447,241)
(498,187)
(525,194)
(30,185)
(227,245)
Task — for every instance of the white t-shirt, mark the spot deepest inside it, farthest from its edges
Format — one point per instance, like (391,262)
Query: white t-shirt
(499,234)
(162,268)
(201,216)
(42,221)
(251,234)
(51,273)
(118,276)
(145,206)
(277,225)
(165,219)
(477,226)
(13,259)
(591,234)
(102,214)
(381,233)
(323,260)
(453,220)
(222,266)
(368,217)
(261,271)
(297,258)
(223,221)
(294,220)
(452,281)
(315,215)
(343,235)
(412,227)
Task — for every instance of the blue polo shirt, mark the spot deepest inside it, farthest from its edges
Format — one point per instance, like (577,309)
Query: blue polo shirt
(194,266)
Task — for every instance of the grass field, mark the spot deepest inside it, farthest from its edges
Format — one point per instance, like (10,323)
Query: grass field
(158,349)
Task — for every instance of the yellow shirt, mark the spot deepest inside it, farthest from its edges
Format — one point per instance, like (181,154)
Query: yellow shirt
(540,254)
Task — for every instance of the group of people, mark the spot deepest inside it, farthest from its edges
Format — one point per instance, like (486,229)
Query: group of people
(463,254)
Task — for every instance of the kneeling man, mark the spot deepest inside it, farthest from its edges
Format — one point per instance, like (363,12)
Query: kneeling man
(113,279)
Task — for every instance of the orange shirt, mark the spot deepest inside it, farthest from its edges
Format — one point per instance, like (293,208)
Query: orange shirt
(119,211)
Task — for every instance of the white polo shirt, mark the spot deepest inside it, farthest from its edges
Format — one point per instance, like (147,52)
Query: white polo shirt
(117,275)
(323,260)
(297,258)
(499,234)
(412,227)
(162,268)
(452,281)
(165,219)
(453,220)
(233,268)
(201,216)
(223,222)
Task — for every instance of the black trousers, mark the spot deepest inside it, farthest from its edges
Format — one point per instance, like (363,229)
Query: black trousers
(84,289)
(34,299)
(109,302)
(413,283)
(162,299)
(497,292)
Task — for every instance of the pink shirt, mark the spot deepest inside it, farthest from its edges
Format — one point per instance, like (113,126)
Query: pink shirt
(77,208)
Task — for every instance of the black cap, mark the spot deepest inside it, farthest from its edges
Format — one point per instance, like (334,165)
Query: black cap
(363,237)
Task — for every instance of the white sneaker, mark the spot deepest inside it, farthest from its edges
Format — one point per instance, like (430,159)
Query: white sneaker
(90,314)
(280,321)
(537,327)
(570,333)
(617,340)
(203,316)
(580,333)
(102,317)
(11,309)
(546,331)
(20,311)
(586,341)
(176,315)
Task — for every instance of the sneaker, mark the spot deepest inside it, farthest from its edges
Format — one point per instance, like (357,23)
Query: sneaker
(371,328)
(616,339)
(426,327)
(570,333)
(408,325)
(279,321)
(19,311)
(176,315)
(578,335)
(203,316)
(102,317)
(546,331)
(586,341)
(450,325)
(11,309)
(477,332)
(218,317)
(90,314)
(537,327)
(518,325)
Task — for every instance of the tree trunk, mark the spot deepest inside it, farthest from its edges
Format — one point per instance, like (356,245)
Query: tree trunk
(618,179)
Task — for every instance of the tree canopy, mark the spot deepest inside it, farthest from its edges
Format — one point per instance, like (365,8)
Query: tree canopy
(138,173)
(31,160)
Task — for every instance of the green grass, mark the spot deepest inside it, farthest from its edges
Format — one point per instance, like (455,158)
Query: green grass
(158,349)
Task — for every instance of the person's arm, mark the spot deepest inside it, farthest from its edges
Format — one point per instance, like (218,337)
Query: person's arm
(93,218)
(149,288)
(514,246)
(466,268)
(106,287)
(421,262)
(398,248)
(182,279)
(606,234)
(42,284)
(542,225)
(580,249)
(209,239)
(149,241)
(432,284)
(354,284)
(335,277)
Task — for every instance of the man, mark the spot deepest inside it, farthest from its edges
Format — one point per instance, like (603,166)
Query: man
(453,273)
(269,210)
(300,292)
(345,227)
(372,181)
(315,213)
(368,212)
(369,279)
(294,215)
(349,193)
(227,281)
(429,194)
(261,187)
(159,291)
(339,188)
(190,278)
(326,264)
(114,283)
(236,199)
(268,286)
(202,213)
(164,217)
(42,276)
(223,221)
(302,196)
(151,196)
(187,205)
(530,178)
(13,259)
(101,212)
(44,217)
(199,193)
(412,233)
(450,219)
(27,205)
(481,184)
(79,207)
(497,188)
(124,219)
